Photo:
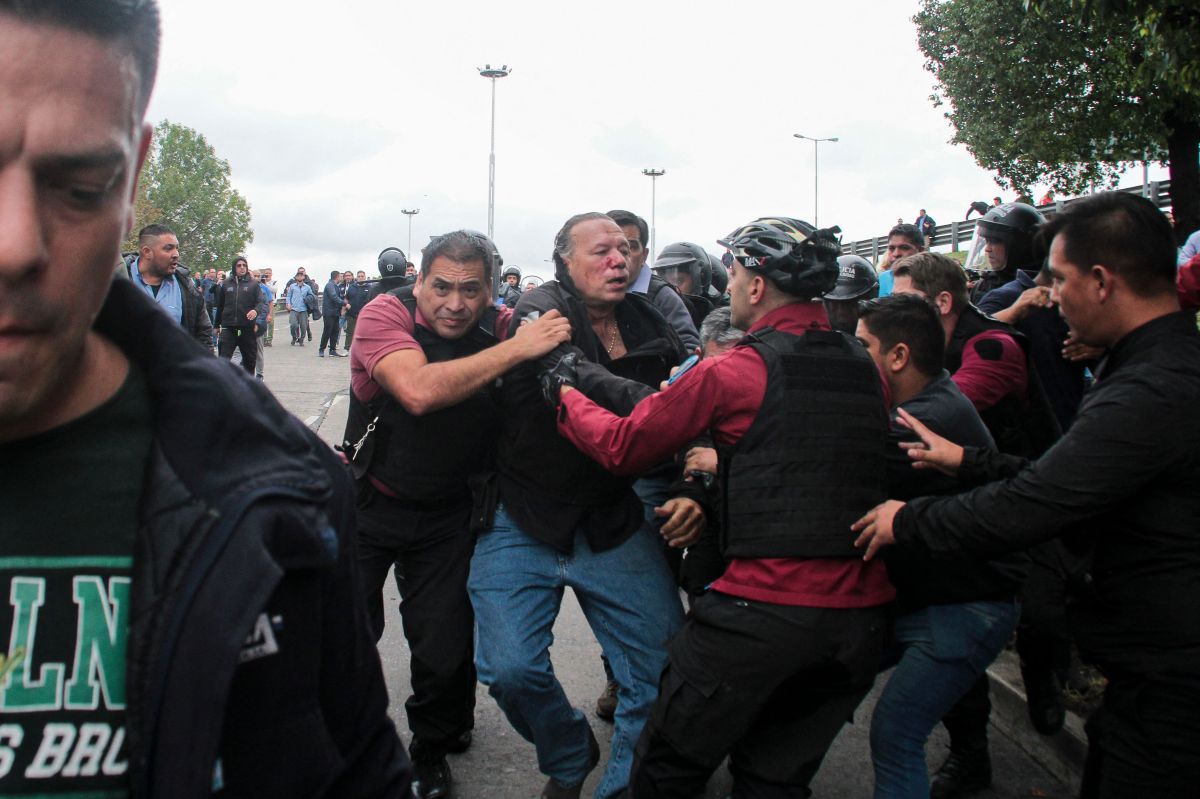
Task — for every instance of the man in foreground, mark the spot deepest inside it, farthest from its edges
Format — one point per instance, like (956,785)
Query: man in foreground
(423,374)
(563,521)
(1119,489)
(775,658)
(190,622)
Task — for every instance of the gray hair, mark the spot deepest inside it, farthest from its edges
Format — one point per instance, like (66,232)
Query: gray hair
(564,242)
(718,327)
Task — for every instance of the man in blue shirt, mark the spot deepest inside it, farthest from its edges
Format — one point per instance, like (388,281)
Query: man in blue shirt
(297,293)
(154,271)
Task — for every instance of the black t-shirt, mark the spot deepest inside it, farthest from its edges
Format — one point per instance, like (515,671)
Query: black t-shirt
(70,501)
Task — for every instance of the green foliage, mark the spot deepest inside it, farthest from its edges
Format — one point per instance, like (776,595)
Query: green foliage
(1061,96)
(1169,50)
(185,186)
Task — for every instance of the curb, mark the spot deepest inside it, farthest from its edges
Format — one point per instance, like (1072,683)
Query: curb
(1062,754)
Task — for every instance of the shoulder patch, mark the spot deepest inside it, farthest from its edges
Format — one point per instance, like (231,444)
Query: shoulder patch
(989,349)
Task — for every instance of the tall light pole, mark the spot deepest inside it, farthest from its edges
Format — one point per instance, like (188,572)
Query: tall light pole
(493,74)
(410,214)
(816,171)
(654,175)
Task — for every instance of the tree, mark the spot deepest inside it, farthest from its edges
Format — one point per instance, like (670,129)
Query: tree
(185,186)
(1069,91)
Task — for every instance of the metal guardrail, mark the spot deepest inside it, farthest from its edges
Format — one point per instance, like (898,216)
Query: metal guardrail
(957,233)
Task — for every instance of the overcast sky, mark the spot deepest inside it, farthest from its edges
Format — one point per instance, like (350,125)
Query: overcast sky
(333,117)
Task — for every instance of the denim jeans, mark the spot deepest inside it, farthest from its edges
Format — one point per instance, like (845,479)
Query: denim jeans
(939,652)
(516,587)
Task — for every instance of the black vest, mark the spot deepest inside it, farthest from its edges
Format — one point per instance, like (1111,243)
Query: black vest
(1025,427)
(427,459)
(813,461)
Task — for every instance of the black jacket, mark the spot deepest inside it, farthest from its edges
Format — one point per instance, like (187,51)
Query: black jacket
(549,487)
(1123,488)
(247,520)
(920,580)
(236,297)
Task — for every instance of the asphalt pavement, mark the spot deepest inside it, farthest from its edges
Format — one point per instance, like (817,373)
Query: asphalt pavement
(501,764)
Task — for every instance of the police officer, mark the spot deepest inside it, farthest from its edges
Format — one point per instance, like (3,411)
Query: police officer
(774,659)
(510,287)
(393,272)
(685,266)
(1008,232)
(856,281)
(421,424)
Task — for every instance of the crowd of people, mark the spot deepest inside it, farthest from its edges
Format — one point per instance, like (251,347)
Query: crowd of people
(767,477)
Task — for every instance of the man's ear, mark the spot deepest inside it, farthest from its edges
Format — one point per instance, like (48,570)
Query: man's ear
(944,303)
(1102,282)
(898,357)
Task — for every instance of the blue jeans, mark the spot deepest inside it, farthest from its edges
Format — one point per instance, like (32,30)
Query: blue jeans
(939,652)
(626,593)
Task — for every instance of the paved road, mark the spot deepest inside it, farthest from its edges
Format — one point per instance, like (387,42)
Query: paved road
(502,765)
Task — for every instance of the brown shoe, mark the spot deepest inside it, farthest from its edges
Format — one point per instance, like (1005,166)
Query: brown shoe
(606,705)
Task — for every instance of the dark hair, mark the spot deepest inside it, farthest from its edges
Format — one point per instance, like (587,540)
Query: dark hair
(1123,232)
(131,25)
(240,259)
(910,232)
(460,246)
(152,232)
(910,320)
(564,242)
(933,273)
(623,218)
(334,273)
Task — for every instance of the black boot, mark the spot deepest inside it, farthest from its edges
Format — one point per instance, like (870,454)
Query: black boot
(1044,698)
(962,773)
(431,772)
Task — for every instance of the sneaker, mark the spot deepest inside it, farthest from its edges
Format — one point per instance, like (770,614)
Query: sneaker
(337,354)
(606,705)
(556,790)
(321,354)
(431,779)
(962,773)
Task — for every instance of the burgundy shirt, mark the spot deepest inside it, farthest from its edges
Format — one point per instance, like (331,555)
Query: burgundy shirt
(722,396)
(986,381)
(385,326)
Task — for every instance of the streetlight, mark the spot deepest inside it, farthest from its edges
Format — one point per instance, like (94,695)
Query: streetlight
(654,175)
(816,168)
(493,74)
(410,214)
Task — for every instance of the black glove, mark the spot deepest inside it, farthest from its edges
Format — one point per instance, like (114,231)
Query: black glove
(557,376)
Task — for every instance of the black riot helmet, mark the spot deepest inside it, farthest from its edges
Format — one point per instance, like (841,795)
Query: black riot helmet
(856,280)
(512,270)
(684,256)
(392,262)
(798,258)
(719,283)
(1013,224)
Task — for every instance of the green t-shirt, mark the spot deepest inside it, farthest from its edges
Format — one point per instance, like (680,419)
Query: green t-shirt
(69,499)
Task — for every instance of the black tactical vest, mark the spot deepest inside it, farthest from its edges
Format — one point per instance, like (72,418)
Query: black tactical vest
(1025,427)
(812,462)
(427,459)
